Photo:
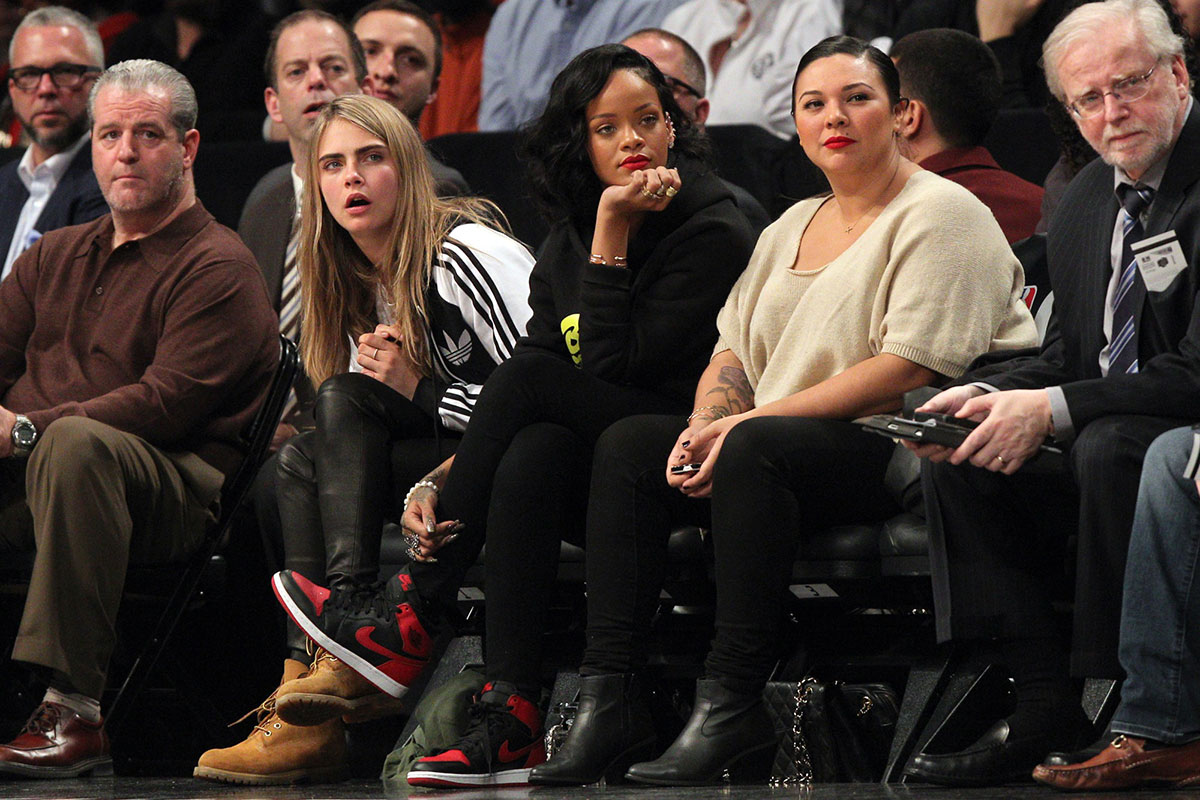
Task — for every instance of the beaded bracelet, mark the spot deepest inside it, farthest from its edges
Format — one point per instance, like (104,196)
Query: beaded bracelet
(716,412)
(418,485)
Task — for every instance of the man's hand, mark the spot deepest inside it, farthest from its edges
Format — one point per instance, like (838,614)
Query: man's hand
(1001,18)
(948,402)
(1015,423)
(7,420)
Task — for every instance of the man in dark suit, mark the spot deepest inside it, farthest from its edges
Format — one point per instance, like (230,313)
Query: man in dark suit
(1120,364)
(56,55)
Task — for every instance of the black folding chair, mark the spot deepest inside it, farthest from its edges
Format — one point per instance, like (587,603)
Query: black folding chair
(254,442)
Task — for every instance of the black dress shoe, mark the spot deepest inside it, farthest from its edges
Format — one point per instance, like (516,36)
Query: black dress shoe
(999,756)
(1066,758)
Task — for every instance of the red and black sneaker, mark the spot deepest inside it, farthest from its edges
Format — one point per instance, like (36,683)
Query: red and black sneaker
(374,629)
(502,744)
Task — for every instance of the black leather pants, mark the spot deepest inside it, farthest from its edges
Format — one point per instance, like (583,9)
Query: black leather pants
(337,485)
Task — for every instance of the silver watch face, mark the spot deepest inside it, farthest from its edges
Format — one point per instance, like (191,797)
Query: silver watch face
(24,435)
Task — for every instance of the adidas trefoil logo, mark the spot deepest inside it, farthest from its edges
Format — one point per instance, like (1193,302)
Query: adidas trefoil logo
(458,352)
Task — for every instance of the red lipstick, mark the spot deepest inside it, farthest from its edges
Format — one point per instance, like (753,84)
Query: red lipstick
(837,142)
(635,162)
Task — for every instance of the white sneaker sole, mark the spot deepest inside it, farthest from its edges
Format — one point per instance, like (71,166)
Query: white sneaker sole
(348,657)
(508,777)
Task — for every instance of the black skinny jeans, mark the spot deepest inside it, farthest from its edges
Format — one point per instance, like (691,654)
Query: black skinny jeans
(520,478)
(337,485)
(776,480)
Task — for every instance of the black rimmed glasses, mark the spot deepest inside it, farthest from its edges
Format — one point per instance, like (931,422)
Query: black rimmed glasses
(679,87)
(63,75)
(1125,90)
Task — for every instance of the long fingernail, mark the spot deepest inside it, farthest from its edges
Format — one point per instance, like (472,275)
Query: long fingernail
(458,527)
(450,538)
(688,443)
(429,526)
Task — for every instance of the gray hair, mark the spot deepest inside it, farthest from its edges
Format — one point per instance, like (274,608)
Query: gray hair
(58,15)
(143,74)
(1098,19)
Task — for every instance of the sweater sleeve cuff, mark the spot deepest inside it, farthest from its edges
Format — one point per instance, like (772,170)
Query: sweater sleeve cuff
(1060,414)
(605,275)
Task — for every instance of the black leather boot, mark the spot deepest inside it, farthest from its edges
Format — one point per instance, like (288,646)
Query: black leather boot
(727,731)
(612,729)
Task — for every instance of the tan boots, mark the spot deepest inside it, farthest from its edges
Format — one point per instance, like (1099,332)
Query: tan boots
(329,690)
(276,752)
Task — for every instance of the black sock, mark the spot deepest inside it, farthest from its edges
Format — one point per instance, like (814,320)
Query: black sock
(1045,695)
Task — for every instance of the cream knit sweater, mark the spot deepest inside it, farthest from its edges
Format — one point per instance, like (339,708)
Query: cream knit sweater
(932,280)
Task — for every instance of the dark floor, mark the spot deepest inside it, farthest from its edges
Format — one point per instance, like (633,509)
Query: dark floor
(178,789)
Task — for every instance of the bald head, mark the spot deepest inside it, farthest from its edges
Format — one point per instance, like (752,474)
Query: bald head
(679,62)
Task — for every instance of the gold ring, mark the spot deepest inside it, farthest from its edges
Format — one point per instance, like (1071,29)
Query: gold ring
(650,195)
(1001,460)
(376,356)
(671,191)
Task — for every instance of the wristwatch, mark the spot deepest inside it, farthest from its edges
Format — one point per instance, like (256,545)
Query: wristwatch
(24,436)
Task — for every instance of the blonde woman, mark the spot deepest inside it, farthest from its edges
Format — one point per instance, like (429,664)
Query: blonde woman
(410,301)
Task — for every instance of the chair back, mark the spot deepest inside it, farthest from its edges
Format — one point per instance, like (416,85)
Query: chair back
(255,440)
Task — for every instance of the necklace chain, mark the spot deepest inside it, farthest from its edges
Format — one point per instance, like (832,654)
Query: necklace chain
(886,186)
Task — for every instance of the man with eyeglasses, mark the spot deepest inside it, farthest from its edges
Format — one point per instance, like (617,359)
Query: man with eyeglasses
(750,50)
(55,56)
(1119,366)
(683,68)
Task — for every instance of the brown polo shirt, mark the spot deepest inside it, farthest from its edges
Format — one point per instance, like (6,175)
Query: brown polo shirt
(170,337)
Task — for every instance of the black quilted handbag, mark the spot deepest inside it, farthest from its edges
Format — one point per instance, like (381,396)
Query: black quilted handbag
(830,732)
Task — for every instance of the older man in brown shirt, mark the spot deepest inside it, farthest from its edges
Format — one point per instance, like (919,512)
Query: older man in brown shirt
(133,350)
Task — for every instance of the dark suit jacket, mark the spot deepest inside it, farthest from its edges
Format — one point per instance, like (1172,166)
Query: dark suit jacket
(76,199)
(1078,245)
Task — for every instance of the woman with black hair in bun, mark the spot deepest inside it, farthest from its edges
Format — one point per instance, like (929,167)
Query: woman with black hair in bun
(645,245)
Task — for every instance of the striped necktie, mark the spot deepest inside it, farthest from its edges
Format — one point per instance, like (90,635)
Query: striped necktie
(289,297)
(1123,347)
(289,303)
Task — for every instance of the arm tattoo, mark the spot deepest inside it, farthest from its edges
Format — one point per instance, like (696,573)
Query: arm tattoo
(438,474)
(732,391)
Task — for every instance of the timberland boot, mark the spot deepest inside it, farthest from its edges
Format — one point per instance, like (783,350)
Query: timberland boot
(329,690)
(278,753)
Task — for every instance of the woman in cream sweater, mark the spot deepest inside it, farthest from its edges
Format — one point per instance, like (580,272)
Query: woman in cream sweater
(897,279)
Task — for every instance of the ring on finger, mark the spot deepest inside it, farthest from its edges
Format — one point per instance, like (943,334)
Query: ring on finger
(376,356)
(1001,460)
(648,194)
(671,191)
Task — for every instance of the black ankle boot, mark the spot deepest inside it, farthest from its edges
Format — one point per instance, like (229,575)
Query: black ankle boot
(612,729)
(727,730)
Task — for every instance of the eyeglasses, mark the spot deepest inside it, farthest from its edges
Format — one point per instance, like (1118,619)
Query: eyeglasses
(1125,91)
(678,86)
(63,75)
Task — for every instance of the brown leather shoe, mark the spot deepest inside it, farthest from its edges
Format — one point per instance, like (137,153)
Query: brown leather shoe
(278,753)
(331,689)
(57,743)
(1126,763)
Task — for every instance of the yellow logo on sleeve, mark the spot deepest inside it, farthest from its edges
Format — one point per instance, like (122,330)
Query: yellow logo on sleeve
(570,332)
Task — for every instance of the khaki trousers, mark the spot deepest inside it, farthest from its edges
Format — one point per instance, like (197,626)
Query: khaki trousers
(94,500)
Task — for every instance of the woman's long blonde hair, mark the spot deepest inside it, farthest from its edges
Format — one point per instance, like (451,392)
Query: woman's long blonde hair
(338,283)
